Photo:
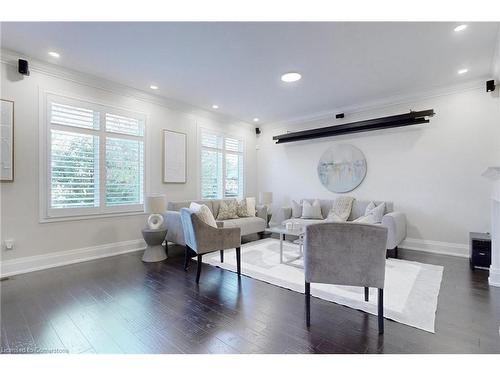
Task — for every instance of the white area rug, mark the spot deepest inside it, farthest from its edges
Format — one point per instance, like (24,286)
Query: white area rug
(410,294)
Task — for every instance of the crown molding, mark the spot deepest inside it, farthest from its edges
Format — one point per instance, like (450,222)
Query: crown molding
(9,57)
(388,101)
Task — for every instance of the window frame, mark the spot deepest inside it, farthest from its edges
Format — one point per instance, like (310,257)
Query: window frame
(49,214)
(242,153)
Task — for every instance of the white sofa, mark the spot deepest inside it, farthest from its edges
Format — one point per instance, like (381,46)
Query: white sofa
(248,225)
(395,222)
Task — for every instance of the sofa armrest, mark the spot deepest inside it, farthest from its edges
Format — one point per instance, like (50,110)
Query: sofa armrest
(286,212)
(173,222)
(261,211)
(395,222)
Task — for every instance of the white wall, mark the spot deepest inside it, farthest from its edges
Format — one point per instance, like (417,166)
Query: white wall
(494,278)
(431,172)
(19,199)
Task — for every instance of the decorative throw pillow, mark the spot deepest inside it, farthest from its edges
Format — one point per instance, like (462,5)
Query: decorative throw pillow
(228,210)
(342,207)
(242,209)
(367,219)
(251,206)
(203,213)
(370,207)
(377,212)
(296,210)
(333,218)
(311,211)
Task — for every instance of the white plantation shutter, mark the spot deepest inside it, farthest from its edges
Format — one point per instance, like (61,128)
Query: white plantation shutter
(74,170)
(124,125)
(234,176)
(211,174)
(95,159)
(124,171)
(222,173)
(232,144)
(62,114)
(233,187)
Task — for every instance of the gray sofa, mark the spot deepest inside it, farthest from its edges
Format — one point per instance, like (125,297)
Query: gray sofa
(395,222)
(248,225)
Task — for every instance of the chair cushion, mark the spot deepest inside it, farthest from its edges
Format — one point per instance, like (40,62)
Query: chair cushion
(303,222)
(248,225)
(203,213)
(367,219)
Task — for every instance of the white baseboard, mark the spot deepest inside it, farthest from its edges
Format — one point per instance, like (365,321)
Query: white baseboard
(61,258)
(436,247)
(494,279)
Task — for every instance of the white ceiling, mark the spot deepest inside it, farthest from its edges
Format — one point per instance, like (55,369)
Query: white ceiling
(238,65)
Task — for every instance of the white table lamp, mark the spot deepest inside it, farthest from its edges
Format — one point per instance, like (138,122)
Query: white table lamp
(155,205)
(266,198)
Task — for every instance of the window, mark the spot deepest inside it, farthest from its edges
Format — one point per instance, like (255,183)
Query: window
(94,159)
(221,166)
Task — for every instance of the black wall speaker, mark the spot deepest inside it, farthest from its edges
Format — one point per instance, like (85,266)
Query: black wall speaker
(23,67)
(257,131)
(490,86)
(339,115)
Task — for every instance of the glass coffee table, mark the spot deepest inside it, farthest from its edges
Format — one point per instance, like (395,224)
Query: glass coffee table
(282,232)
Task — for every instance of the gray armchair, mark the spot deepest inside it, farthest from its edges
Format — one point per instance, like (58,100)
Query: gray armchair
(346,254)
(201,239)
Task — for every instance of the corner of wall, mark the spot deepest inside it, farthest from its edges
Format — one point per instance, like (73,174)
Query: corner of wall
(496,59)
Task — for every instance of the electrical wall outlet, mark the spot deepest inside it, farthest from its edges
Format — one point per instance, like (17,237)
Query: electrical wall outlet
(9,244)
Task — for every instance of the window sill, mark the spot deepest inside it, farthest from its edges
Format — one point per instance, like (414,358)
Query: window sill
(44,220)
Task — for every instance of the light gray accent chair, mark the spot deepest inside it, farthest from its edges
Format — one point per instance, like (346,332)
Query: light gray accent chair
(201,238)
(346,254)
(394,221)
(247,225)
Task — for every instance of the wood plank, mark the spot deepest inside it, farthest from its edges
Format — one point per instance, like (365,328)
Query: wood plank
(69,334)
(120,304)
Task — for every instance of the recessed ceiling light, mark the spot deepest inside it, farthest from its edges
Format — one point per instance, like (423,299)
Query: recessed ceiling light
(256,119)
(463,71)
(215,106)
(153,87)
(291,77)
(460,28)
(54,54)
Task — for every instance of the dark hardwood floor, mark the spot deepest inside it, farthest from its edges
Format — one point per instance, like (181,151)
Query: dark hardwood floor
(121,305)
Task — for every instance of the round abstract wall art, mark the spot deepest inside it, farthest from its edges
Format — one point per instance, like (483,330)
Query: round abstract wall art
(342,168)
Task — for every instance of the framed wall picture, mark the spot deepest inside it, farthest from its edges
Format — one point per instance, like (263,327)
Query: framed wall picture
(174,157)
(6,140)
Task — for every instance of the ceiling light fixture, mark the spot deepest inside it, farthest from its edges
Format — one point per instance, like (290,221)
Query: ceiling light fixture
(54,54)
(463,71)
(460,28)
(215,106)
(291,77)
(256,119)
(153,87)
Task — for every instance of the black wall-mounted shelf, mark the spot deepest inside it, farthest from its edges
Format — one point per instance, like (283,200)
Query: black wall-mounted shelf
(407,119)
